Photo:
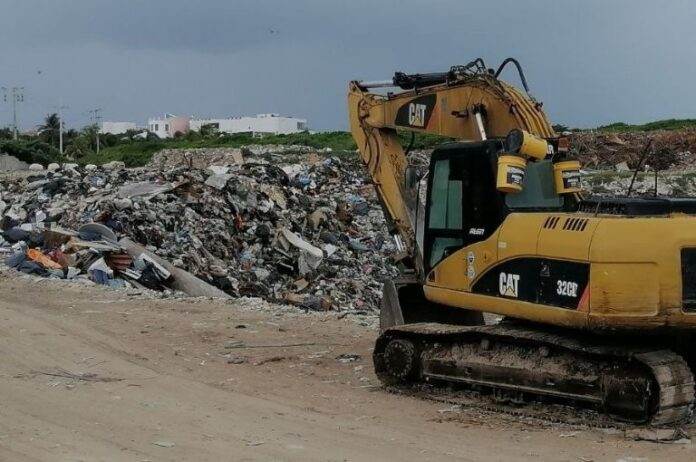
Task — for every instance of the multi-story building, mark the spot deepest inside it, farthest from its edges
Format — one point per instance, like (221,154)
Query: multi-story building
(168,125)
(262,124)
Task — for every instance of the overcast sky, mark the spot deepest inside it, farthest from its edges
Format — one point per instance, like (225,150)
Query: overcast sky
(592,61)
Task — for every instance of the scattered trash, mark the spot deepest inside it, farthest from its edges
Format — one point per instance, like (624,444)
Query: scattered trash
(455,408)
(348,357)
(164,444)
(660,435)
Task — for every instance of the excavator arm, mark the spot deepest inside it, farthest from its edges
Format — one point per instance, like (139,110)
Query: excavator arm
(467,103)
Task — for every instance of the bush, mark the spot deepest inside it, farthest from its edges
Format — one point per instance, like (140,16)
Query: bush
(31,152)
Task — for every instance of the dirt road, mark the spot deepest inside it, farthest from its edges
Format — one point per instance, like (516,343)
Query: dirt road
(91,374)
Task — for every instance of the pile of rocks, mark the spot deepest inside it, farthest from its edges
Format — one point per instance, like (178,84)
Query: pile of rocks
(308,233)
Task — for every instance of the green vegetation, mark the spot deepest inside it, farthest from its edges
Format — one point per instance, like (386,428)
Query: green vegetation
(31,152)
(138,153)
(134,154)
(667,124)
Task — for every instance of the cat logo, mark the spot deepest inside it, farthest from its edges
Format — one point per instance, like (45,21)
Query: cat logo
(509,284)
(416,115)
(417,112)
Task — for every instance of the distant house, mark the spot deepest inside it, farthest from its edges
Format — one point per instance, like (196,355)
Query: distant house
(116,128)
(167,125)
(262,124)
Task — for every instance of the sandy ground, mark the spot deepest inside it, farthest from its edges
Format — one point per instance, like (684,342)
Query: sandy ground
(92,374)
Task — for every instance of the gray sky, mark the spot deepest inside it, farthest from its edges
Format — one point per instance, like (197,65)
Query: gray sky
(592,62)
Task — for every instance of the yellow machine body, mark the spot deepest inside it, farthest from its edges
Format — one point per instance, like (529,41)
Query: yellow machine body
(632,264)
(634,270)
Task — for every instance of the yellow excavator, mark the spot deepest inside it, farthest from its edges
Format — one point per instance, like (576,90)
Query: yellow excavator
(597,295)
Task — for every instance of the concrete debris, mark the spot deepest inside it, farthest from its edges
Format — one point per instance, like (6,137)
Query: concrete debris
(308,234)
(660,435)
(197,158)
(114,165)
(348,357)
(11,163)
(671,149)
(218,181)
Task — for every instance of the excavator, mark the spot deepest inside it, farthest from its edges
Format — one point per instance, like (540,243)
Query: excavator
(594,298)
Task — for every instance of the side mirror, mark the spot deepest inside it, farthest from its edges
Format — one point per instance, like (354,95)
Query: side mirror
(410,178)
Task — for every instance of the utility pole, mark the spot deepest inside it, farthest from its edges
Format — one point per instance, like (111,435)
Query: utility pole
(60,127)
(17,97)
(95,117)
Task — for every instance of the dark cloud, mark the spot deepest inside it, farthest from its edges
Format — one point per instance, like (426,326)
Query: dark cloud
(592,62)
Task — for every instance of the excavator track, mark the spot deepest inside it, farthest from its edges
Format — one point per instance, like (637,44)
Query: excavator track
(636,384)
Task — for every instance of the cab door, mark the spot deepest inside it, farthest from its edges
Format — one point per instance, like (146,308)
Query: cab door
(463,205)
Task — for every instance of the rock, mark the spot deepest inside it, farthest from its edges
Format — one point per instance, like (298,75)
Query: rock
(52,167)
(90,167)
(262,274)
(36,167)
(218,169)
(218,181)
(614,139)
(114,165)
(316,219)
(622,167)
(123,204)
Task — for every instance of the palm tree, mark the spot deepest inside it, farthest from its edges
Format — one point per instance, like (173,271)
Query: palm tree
(50,129)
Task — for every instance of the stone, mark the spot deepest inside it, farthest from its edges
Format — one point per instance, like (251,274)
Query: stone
(218,181)
(114,165)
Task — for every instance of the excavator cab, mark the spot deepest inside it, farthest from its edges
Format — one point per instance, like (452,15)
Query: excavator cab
(464,206)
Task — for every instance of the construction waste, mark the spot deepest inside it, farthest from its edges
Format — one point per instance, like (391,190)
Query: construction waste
(309,233)
(670,150)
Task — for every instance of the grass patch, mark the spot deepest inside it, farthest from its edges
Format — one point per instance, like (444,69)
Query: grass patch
(135,154)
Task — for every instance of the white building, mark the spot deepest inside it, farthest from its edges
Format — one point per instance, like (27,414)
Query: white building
(262,124)
(116,128)
(167,125)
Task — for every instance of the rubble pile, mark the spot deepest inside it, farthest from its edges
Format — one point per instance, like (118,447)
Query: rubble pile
(673,149)
(310,233)
(203,157)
